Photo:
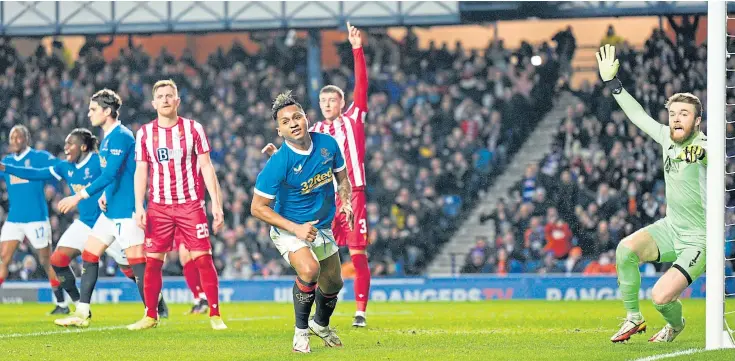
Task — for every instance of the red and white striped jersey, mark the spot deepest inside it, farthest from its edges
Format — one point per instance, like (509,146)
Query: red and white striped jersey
(349,131)
(171,153)
(349,128)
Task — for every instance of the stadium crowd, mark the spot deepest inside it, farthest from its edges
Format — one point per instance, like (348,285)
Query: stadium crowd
(603,178)
(440,125)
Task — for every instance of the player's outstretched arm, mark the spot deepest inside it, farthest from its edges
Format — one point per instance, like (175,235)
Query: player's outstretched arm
(361,78)
(344,191)
(608,67)
(261,209)
(140,184)
(115,160)
(27,173)
(210,180)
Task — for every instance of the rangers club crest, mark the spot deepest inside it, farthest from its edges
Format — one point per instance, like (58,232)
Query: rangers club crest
(327,156)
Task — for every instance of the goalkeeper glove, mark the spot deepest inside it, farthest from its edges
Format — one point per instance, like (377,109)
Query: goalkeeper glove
(693,153)
(607,63)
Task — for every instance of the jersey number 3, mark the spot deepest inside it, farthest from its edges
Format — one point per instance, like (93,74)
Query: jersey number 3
(202,230)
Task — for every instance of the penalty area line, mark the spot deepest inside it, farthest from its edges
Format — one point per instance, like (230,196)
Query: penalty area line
(672,354)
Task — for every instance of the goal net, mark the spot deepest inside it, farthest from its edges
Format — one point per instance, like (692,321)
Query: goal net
(720,281)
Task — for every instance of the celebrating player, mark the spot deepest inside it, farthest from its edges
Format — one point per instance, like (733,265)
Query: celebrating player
(81,168)
(680,237)
(28,214)
(349,130)
(169,151)
(116,223)
(299,177)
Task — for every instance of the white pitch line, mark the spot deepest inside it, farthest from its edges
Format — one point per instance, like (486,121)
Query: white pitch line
(669,355)
(110,328)
(46,333)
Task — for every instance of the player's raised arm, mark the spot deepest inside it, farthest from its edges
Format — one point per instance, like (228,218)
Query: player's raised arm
(361,78)
(28,173)
(608,66)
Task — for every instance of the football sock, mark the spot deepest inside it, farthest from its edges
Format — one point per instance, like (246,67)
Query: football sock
(139,271)
(210,283)
(629,277)
(90,272)
(1,281)
(68,281)
(59,295)
(303,298)
(325,304)
(60,262)
(153,284)
(362,280)
(191,276)
(672,313)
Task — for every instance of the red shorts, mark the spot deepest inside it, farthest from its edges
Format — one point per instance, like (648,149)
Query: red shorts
(358,237)
(186,222)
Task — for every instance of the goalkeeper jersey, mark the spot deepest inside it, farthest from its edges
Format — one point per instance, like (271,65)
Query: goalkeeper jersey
(686,192)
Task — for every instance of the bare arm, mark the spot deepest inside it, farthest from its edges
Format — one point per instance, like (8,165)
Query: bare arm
(344,188)
(213,188)
(140,184)
(344,191)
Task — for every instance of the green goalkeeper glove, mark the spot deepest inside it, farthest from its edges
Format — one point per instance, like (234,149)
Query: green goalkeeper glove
(607,63)
(693,153)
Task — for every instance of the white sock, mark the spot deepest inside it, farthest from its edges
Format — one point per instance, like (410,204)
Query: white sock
(298,330)
(360,313)
(634,316)
(83,309)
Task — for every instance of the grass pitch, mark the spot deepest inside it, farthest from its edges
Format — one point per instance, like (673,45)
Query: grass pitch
(495,330)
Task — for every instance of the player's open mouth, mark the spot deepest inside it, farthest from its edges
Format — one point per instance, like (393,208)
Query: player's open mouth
(296,131)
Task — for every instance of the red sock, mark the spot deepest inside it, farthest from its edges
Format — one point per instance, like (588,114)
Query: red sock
(210,284)
(191,275)
(153,281)
(1,281)
(362,280)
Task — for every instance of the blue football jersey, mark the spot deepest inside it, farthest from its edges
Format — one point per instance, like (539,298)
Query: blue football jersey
(301,181)
(77,176)
(26,197)
(117,161)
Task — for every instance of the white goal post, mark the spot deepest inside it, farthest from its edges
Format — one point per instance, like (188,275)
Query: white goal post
(716,336)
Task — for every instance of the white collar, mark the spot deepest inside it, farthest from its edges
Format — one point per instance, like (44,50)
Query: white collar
(22,155)
(299,151)
(117,123)
(83,162)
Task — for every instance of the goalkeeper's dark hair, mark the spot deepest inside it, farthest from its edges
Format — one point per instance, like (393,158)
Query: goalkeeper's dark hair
(107,98)
(87,138)
(687,98)
(283,100)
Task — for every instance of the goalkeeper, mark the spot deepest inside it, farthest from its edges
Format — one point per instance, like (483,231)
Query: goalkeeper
(680,237)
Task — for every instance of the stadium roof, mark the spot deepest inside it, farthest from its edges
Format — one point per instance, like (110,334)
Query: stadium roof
(42,18)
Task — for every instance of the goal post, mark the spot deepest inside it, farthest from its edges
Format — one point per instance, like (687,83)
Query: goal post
(716,335)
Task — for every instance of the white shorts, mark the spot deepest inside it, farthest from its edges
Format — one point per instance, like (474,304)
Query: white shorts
(122,231)
(322,248)
(76,237)
(38,233)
